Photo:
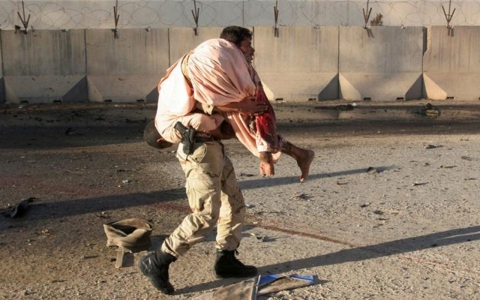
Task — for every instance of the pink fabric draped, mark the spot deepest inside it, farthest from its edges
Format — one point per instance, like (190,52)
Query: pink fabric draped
(219,74)
(174,86)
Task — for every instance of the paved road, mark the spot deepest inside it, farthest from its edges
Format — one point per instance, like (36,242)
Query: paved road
(407,229)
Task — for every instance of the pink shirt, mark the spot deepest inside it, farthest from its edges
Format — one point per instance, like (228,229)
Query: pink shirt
(220,75)
(174,86)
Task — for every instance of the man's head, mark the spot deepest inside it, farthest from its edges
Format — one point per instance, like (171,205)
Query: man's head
(242,37)
(153,138)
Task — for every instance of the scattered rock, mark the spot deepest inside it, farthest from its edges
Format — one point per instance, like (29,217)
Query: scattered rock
(447,167)
(344,107)
(258,237)
(246,174)
(300,196)
(419,183)
(69,131)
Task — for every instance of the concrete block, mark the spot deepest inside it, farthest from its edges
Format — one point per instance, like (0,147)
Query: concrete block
(300,64)
(44,66)
(45,89)
(347,90)
(123,88)
(127,68)
(380,87)
(452,63)
(385,64)
(182,40)
(432,90)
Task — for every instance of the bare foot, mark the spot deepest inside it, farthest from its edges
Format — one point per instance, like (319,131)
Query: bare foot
(304,161)
(267,169)
(266,164)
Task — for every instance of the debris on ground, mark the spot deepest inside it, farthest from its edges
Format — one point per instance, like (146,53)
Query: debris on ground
(260,285)
(430,111)
(129,235)
(300,196)
(18,209)
(432,147)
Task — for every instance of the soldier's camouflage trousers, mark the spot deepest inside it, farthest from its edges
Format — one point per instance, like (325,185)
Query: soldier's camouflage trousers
(214,198)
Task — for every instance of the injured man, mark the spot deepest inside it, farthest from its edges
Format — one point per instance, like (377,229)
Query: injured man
(212,110)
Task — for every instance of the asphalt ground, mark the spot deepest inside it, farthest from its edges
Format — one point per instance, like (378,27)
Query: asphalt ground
(408,230)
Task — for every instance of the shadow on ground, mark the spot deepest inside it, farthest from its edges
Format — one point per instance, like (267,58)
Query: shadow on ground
(60,209)
(438,239)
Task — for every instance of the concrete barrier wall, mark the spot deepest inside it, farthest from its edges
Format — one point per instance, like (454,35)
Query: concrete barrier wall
(182,40)
(384,63)
(301,64)
(127,68)
(44,66)
(452,63)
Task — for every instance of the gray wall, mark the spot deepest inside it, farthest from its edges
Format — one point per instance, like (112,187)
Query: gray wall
(126,68)
(302,63)
(182,40)
(44,66)
(385,63)
(452,64)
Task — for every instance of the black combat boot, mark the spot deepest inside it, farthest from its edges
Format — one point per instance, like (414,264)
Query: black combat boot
(227,265)
(155,267)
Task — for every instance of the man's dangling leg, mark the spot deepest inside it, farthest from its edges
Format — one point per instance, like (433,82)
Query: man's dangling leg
(303,157)
(267,165)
